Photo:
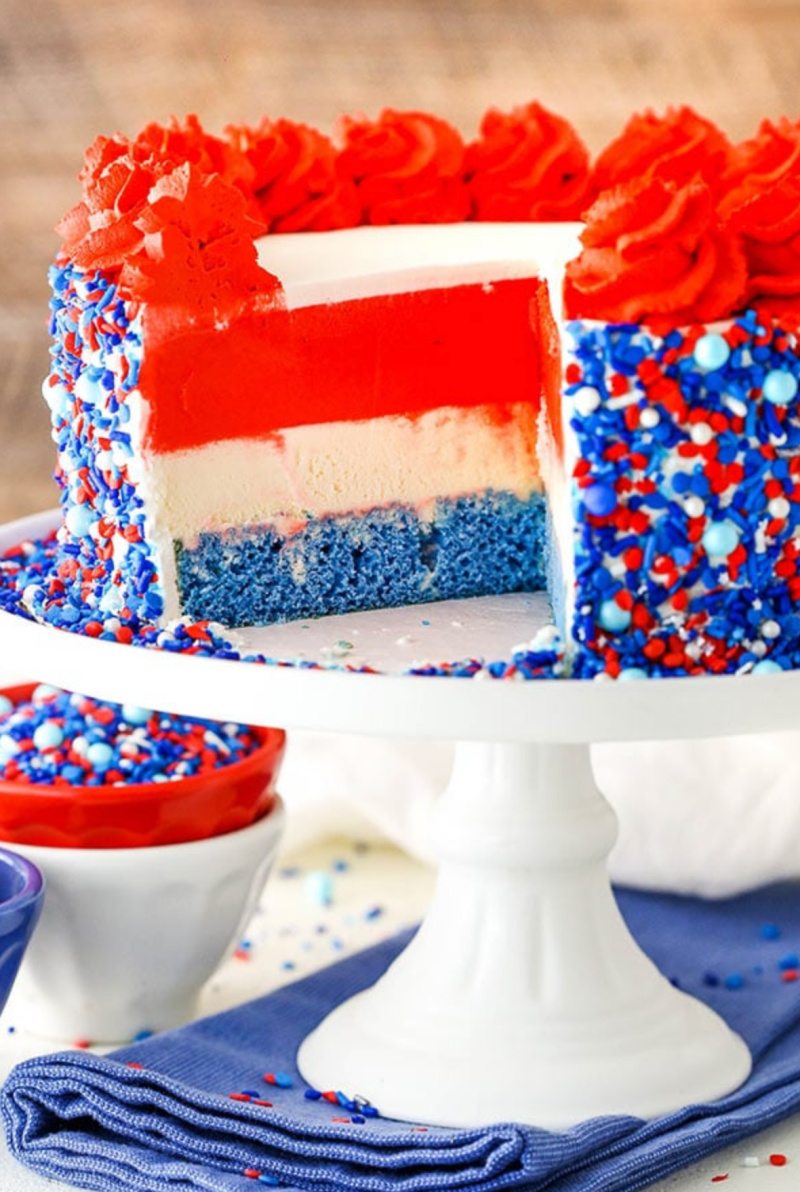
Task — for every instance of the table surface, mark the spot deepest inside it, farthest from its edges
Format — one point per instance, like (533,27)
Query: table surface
(376,891)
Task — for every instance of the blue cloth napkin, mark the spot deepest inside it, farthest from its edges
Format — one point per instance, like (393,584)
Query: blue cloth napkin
(170,1125)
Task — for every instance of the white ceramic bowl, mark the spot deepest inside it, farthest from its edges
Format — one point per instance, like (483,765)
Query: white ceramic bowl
(128,937)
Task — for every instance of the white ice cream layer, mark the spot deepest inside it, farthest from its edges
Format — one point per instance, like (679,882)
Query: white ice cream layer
(341,467)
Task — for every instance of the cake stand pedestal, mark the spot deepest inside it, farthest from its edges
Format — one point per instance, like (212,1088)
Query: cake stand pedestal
(522,997)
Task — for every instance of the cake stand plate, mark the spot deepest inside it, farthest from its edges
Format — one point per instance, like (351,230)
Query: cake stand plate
(522,996)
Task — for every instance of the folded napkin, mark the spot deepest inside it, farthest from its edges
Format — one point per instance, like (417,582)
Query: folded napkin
(157,1115)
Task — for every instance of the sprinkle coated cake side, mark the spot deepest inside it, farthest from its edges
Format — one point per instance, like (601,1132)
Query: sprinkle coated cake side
(687,498)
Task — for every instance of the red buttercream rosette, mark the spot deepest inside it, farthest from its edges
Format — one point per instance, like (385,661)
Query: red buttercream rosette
(675,147)
(299,182)
(655,252)
(407,168)
(762,205)
(199,244)
(527,164)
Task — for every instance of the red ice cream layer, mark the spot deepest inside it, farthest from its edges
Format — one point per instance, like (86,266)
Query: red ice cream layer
(395,354)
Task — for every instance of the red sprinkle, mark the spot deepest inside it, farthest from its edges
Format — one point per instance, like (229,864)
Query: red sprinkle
(778,1160)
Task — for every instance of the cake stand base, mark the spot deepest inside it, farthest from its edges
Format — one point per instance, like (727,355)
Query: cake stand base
(523,997)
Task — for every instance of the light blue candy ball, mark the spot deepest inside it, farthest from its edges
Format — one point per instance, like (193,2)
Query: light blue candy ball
(79,520)
(319,888)
(43,693)
(779,387)
(8,747)
(100,755)
(721,539)
(632,672)
(711,351)
(613,618)
(133,714)
(6,705)
(48,736)
(766,667)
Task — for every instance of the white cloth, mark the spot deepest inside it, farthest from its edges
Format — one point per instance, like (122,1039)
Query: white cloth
(710,817)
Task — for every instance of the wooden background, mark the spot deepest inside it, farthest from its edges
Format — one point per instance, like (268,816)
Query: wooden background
(70,70)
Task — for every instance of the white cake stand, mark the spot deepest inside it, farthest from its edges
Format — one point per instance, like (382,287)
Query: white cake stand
(522,997)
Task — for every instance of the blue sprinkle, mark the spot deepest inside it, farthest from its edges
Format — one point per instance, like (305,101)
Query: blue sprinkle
(770,931)
(791,961)
(734,981)
(312,1095)
(599,499)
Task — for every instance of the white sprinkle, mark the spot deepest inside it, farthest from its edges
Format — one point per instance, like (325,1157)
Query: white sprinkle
(701,433)
(649,418)
(736,406)
(695,506)
(779,507)
(586,401)
(770,629)
(750,1161)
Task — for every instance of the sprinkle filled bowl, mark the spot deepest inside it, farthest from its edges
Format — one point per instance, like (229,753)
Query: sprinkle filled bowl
(73,802)
(150,882)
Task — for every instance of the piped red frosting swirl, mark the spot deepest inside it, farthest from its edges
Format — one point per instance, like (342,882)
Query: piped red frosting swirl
(761,204)
(407,168)
(528,164)
(678,146)
(299,182)
(655,252)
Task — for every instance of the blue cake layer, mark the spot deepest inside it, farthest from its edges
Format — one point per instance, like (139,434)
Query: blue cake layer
(477,545)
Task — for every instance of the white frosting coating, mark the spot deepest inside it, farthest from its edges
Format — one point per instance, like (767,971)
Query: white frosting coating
(322,267)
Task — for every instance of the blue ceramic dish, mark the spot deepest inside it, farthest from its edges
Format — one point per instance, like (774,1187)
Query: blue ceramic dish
(21,898)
